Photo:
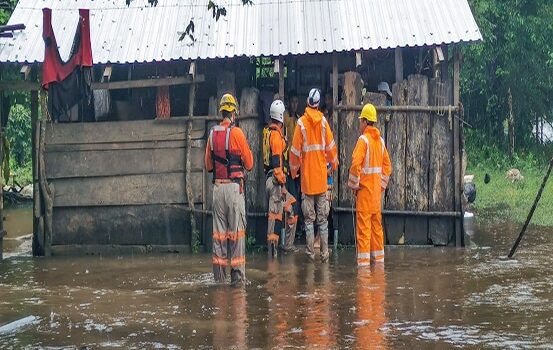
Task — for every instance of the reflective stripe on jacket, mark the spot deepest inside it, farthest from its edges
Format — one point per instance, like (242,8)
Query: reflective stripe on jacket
(312,148)
(370,170)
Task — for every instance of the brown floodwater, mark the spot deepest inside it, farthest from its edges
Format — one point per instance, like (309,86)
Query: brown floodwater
(424,298)
(18,223)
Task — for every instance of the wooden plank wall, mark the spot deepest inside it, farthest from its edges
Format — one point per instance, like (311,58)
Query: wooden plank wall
(122,182)
(422,151)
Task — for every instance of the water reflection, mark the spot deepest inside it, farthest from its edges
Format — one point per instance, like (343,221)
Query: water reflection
(320,329)
(231,319)
(371,316)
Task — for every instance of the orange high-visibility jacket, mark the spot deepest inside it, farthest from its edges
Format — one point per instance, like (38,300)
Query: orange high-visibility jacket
(277,143)
(370,170)
(237,142)
(312,148)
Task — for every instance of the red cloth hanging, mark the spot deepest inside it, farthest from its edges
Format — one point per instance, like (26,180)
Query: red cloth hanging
(53,68)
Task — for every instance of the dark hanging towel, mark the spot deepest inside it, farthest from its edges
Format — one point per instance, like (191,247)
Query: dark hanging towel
(68,83)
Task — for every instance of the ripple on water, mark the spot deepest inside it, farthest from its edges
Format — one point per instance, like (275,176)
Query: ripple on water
(513,296)
(462,335)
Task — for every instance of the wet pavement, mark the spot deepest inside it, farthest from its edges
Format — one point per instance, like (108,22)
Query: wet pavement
(424,298)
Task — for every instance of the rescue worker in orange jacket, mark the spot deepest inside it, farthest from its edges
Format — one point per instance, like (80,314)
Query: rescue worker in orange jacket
(368,177)
(312,148)
(280,201)
(227,156)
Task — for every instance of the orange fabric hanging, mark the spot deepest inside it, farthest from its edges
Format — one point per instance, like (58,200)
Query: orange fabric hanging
(163,103)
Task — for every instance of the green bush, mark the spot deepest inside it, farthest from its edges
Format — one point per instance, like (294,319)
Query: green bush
(484,153)
(18,133)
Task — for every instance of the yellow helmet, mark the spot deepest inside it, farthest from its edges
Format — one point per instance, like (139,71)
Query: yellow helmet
(228,103)
(368,112)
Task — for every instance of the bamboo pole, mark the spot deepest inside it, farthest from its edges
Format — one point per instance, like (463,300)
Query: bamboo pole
(406,212)
(342,210)
(403,109)
(195,240)
(531,213)
(208,118)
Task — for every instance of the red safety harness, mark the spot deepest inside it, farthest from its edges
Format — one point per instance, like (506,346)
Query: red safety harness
(227,164)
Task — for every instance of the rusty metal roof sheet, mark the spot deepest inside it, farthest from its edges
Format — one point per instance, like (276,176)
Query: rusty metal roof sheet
(141,33)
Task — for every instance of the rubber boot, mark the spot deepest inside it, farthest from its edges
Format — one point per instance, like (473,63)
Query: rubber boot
(310,240)
(323,233)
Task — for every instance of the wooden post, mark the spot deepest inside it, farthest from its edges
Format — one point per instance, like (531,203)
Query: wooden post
(38,235)
(281,77)
(444,66)
(195,236)
(46,190)
(378,100)
(336,130)
(396,139)
(440,230)
(349,132)
(511,124)
(457,149)
(208,223)
(398,60)
(435,62)
(417,162)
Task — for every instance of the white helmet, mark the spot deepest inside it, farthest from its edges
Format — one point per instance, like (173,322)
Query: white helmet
(384,87)
(314,98)
(277,111)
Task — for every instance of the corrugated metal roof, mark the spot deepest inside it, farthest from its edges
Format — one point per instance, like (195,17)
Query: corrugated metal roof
(140,33)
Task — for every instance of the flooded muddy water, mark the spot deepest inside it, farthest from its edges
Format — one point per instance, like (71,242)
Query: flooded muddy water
(18,223)
(424,298)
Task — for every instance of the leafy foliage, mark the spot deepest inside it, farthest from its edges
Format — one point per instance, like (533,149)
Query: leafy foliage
(18,132)
(6,9)
(516,54)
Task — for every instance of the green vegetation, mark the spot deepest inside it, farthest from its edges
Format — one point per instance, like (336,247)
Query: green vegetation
(18,129)
(501,197)
(18,133)
(515,59)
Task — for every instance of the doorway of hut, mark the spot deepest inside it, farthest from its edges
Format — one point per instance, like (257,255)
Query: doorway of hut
(290,79)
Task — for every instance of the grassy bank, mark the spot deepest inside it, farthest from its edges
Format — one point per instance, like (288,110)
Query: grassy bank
(502,197)
(513,200)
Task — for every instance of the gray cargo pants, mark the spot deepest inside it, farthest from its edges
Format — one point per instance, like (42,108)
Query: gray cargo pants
(281,202)
(229,232)
(315,210)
